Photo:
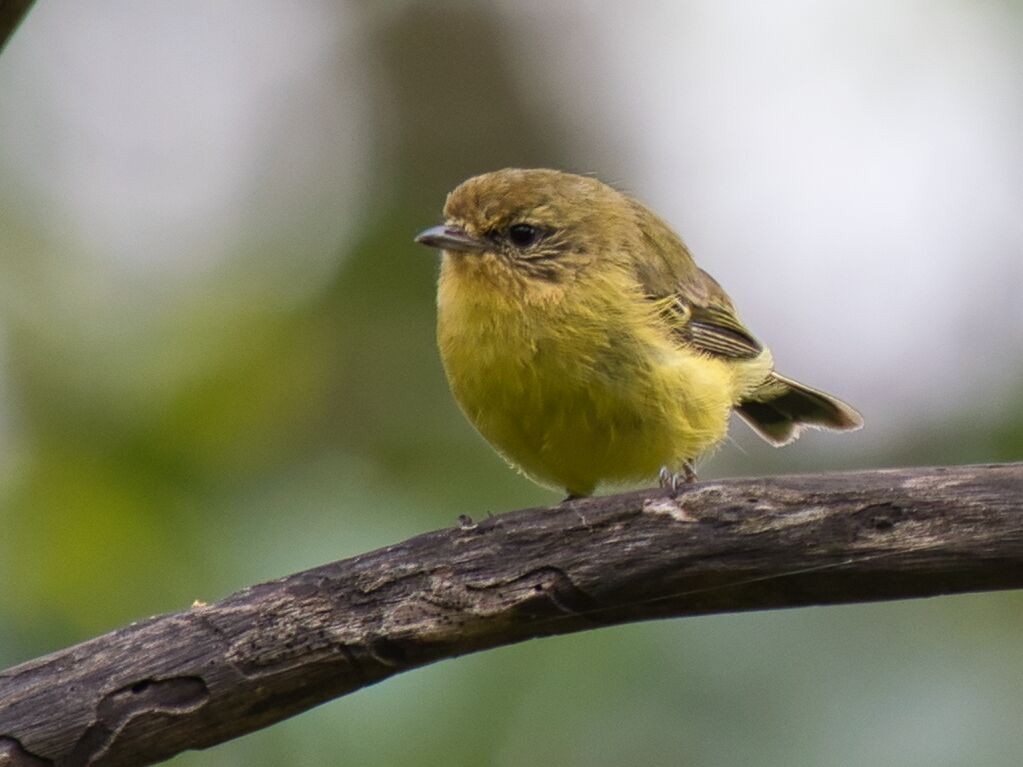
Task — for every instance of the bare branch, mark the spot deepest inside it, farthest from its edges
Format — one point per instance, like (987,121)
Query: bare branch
(11,14)
(199,677)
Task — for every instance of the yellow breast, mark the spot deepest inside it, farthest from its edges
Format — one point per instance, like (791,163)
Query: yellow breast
(576,385)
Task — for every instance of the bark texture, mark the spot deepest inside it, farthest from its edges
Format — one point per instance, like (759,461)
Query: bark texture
(202,676)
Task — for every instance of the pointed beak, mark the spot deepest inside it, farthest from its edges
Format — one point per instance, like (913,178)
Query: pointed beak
(450,238)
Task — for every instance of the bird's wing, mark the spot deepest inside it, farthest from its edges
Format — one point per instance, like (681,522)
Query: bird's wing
(701,315)
(692,304)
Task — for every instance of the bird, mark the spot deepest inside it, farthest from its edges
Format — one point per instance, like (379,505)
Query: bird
(583,342)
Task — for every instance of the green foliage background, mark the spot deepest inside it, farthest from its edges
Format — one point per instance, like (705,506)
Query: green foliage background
(229,437)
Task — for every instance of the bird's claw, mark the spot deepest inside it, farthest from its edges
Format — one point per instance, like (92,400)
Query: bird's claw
(671,480)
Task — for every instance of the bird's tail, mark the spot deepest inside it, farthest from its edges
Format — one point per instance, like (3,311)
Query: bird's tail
(780,408)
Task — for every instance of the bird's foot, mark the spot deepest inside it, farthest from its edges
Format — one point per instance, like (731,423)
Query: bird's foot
(672,481)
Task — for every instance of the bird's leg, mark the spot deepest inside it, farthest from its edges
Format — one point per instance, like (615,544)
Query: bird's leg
(671,480)
(668,480)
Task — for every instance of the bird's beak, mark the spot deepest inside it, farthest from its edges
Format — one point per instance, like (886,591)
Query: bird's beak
(450,238)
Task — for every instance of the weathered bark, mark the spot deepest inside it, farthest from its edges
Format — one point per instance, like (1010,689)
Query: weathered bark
(195,678)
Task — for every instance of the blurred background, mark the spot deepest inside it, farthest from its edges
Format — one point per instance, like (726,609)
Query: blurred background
(217,362)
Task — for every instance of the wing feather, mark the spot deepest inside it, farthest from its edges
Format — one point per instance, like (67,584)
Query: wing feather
(701,315)
(693,305)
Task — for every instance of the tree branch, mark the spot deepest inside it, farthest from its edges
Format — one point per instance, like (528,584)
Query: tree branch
(199,677)
(11,14)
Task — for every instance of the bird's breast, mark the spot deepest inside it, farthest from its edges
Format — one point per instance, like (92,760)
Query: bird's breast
(577,389)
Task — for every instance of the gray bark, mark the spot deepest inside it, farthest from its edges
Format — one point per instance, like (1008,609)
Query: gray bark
(202,676)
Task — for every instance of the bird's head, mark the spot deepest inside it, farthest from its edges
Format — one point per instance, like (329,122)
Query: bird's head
(538,224)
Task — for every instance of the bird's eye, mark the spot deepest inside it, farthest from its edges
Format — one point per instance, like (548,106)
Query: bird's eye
(523,235)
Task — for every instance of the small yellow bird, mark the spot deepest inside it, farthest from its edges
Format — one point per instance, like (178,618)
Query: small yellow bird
(583,342)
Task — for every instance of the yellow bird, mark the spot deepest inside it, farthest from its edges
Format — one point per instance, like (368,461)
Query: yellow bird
(583,342)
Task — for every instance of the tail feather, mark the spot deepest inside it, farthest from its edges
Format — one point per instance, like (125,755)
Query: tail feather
(781,408)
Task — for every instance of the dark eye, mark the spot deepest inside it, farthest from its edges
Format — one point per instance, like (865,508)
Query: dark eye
(523,235)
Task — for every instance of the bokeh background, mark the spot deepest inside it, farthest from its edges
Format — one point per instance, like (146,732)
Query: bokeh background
(216,335)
